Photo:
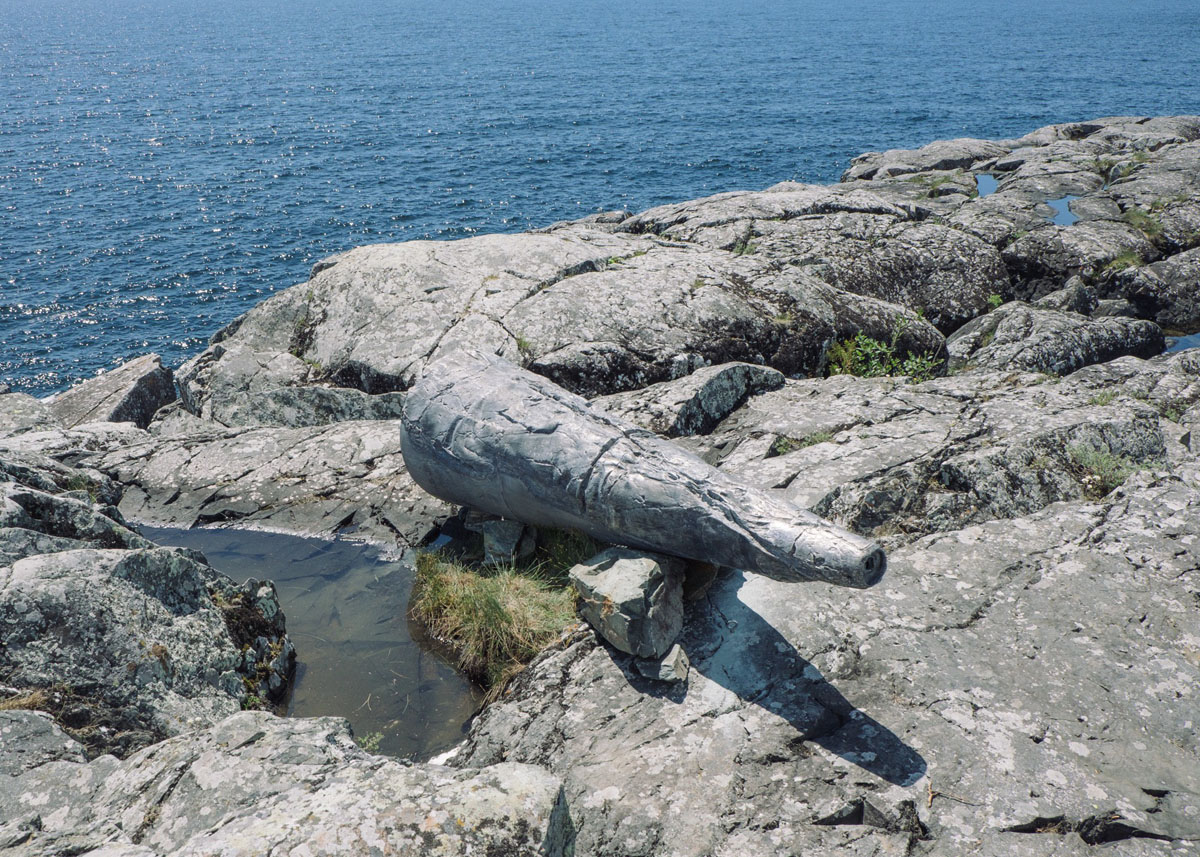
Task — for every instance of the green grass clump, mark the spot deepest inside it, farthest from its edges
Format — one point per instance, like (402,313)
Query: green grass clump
(497,619)
(1150,225)
(994,302)
(783,444)
(867,357)
(1127,259)
(1100,471)
(1103,398)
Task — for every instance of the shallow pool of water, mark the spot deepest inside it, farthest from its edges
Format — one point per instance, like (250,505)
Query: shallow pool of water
(357,654)
(1182,343)
(986,184)
(1063,215)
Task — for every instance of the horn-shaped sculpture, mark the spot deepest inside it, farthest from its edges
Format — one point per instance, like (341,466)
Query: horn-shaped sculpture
(480,432)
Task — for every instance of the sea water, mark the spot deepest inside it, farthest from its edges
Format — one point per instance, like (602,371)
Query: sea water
(166,165)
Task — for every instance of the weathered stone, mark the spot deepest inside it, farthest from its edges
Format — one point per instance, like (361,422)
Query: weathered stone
(480,431)
(1165,291)
(505,541)
(21,412)
(633,600)
(963,153)
(120,640)
(30,739)
(130,393)
(313,480)
(259,784)
(1076,296)
(954,696)
(671,667)
(693,404)
(1019,336)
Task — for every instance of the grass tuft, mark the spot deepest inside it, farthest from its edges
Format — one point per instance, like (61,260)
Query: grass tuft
(497,619)
(1101,471)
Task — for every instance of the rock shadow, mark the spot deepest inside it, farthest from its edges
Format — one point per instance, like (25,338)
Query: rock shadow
(731,644)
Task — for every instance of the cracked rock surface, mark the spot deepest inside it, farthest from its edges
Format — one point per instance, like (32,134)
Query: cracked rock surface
(263,785)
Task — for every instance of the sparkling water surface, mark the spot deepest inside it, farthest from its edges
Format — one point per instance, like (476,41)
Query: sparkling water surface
(166,165)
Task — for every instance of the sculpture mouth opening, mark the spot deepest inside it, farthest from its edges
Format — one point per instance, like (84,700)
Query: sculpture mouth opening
(874,567)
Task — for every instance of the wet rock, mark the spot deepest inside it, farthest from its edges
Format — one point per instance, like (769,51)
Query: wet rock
(132,392)
(1022,337)
(277,785)
(482,432)
(633,600)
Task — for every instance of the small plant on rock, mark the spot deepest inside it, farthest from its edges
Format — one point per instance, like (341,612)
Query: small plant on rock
(1099,470)
(868,357)
(994,302)
(1149,225)
(1127,259)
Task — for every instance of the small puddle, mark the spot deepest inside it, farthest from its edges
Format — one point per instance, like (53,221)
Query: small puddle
(357,655)
(986,183)
(1062,212)
(1182,343)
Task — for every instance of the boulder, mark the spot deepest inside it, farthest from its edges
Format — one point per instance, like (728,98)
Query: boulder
(254,783)
(693,404)
(122,641)
(479,431)
(130,393)
(21,412)
(1164,291)
(1033,339)
(633,600)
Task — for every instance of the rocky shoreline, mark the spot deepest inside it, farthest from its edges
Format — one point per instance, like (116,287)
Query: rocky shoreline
(1024,680)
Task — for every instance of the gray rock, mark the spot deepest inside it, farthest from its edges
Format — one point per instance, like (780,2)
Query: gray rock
(132,392)
(121,641)
(1076,296)
(963,153)
(945,709)
(858,241)
(1046,258)
(1023,337)
(258,784)
(315,480)
(506,541)
(21,412)
(671,667)
(634,600)
(479,431)
(30,739)
(1164,291)
(693,404)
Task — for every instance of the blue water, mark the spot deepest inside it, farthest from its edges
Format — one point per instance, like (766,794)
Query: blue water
(986,184)
(1063,215)
(165,165)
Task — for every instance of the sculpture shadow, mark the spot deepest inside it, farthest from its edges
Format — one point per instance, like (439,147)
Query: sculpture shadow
(732,645)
